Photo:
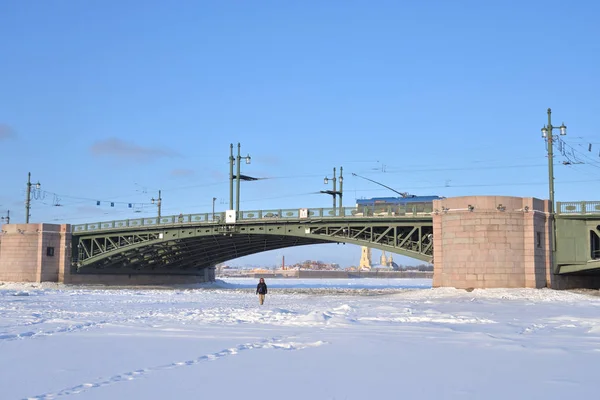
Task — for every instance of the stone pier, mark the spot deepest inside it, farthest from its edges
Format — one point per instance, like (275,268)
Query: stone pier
(34,252)
(42,253)
(492,242)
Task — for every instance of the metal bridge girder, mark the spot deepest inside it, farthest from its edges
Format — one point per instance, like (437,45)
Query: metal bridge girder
(198,246)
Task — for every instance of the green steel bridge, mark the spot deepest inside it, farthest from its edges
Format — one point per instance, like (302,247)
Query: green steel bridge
(577,237)
(185,243)
(182,244)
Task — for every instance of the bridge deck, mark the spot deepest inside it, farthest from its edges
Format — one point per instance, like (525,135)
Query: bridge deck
(279,215)
(190,240)
(181,243)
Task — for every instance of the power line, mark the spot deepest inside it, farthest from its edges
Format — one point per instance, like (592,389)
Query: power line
(464,168)
(484,185)
(574,154)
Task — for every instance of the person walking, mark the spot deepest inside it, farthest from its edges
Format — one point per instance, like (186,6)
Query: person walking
(261,291)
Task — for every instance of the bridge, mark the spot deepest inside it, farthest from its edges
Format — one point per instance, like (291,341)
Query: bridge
(180,243)
(473,241)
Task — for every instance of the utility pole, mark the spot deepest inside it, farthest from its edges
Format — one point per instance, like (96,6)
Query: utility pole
(213,214)
(341,192)
(158,205)
(28,197)
(334,192)
(549,136)
(231,159)
(238,178)
(7,218)
(237,188)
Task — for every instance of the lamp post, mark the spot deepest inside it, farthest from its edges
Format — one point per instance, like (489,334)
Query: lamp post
(28,196)
(237,176)
(213,214)
(231,161)
(7,218)
(158,203)
(335,192)
(548,135)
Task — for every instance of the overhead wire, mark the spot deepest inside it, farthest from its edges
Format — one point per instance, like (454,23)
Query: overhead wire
(77,200)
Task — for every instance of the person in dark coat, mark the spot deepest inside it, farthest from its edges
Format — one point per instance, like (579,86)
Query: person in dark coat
(261,291)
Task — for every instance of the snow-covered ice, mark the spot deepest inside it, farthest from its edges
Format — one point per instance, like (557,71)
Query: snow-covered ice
(313,339)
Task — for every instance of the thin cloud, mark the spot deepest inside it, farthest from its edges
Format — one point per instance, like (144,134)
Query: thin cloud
(118,148)
(6,132)
(182,172)
(270,160)
(219,175)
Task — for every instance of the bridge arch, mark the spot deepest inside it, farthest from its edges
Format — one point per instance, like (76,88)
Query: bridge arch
(185,248)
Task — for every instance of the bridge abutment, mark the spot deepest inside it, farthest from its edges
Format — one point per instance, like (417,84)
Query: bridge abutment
(492,242)
(34,252)
(42,253)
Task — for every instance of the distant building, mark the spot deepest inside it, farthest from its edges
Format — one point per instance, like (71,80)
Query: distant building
(365,259)
(385,262)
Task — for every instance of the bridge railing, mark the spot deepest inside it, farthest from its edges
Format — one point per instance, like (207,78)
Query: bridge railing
(252,215)
(578,207)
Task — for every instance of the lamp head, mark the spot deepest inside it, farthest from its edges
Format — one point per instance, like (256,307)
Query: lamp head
(563,129)
(544,132)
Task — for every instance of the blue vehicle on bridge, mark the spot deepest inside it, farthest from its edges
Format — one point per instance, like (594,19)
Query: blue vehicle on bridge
(395,205)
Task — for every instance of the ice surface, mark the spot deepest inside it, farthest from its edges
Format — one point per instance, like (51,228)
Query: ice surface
(317,339)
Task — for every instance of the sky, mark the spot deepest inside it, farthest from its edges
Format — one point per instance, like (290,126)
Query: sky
(339,339)
(112,101)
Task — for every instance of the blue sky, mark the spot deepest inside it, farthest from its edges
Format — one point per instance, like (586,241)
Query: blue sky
(113,100)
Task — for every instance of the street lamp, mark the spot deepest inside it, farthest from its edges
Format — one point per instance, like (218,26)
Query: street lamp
(213,215)
(158,203)
(28,196)
(335,192)
(7,218)
(547,134)
(238,177)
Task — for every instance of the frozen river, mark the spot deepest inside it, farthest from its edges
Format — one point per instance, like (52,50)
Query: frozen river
(313,339)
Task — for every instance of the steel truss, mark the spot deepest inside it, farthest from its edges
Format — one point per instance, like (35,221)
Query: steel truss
(186,249)
(411,240)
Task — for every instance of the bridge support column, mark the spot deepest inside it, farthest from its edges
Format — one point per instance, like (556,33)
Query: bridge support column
(42,253)
(34,252)
(492,242)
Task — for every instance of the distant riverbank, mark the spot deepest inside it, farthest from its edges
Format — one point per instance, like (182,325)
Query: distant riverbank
(308,274)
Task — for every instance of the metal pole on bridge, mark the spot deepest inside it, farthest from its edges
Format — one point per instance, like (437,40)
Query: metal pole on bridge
(548,135)
(158,205)
(7,218)
(341,192)
(213,214)
(28,197)
(231,159)
(334,192)
(239,178)
(237,184)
